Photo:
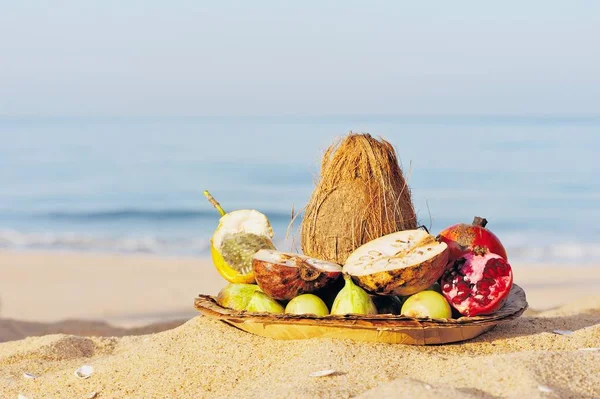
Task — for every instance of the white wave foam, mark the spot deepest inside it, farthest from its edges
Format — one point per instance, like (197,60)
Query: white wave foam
(12,239)
(550,251)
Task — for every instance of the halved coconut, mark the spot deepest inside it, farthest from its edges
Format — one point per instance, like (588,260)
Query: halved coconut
(401,263)
(284,276)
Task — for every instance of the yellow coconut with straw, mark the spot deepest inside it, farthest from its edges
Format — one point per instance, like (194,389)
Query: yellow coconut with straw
(238,237)
(361,195)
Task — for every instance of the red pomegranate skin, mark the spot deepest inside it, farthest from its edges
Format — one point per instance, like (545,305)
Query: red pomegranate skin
(477,284)
(465,238)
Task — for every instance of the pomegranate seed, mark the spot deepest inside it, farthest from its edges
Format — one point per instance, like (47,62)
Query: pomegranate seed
(489,272)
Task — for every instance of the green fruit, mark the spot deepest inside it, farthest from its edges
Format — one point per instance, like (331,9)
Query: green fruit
(427,303)
(262,303)
(236,296)
(352,300)
(307,304)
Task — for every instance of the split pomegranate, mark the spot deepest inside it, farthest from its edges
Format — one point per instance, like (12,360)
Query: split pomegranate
(464,238)
(477,284)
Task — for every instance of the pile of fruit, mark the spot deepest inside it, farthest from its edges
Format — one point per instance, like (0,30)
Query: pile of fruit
(362,250)
(462,272)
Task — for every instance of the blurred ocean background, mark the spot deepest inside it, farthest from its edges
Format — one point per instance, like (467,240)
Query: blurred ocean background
(134,185)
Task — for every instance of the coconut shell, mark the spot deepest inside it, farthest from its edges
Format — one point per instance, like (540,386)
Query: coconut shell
(361,195)
(401,263)
(407,281)
(284,276)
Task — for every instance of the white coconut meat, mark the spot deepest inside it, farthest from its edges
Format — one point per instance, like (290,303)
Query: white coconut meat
(293,260)
(242,221)
(394,251)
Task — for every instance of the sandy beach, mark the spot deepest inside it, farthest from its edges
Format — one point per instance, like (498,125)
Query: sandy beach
(123,315)
(449,147)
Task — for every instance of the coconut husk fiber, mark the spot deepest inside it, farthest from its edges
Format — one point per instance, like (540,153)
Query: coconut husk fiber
(361,195)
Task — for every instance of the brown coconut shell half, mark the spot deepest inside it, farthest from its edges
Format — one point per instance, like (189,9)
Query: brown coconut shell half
(284,276)
(401,263)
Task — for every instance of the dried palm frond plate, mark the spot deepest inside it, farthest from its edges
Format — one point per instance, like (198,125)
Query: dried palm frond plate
(373,328)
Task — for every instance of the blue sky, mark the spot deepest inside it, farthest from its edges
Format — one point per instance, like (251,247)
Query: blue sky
(136,58)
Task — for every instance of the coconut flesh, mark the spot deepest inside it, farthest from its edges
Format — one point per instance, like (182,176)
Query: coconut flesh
(361,195)
(284,276)
(401,263)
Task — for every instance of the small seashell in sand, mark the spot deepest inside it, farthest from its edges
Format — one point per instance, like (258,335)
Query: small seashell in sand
(92,395)
(322,373)
(29,376)
(84,372)
(545,389)
(589,349)
(563,332)
(21,396)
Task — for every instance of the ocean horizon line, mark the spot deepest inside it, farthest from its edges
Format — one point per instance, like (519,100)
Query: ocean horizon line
(434,118)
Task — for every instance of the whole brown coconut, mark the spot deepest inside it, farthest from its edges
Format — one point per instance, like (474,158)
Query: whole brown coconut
(361,196)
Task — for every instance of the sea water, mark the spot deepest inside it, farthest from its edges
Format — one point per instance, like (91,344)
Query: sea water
(134,185)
